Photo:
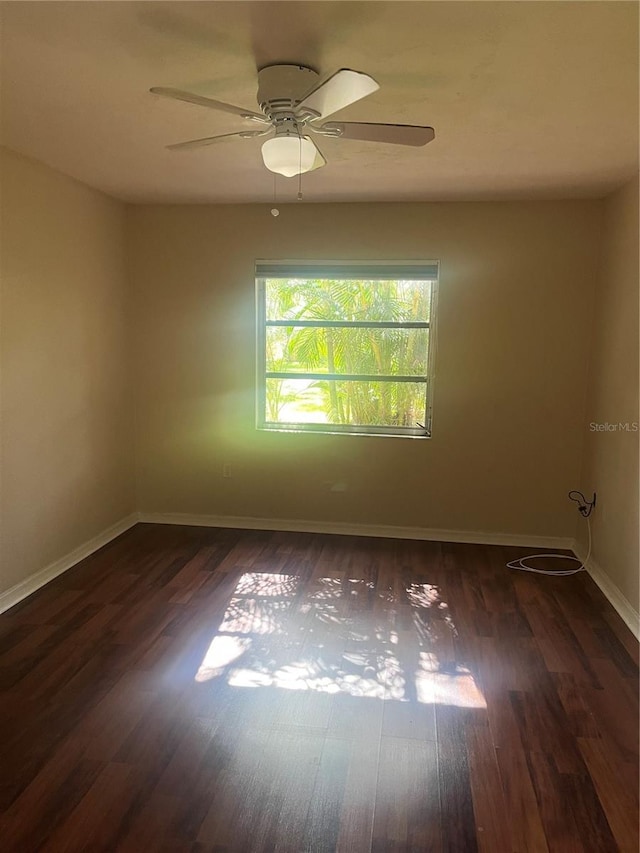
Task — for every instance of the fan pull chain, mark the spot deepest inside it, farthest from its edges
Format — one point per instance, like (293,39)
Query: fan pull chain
(300,169)
(274,209)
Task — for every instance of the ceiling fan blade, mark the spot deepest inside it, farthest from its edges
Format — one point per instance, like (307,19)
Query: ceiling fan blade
(396,134)
(319,161)
(341,89)
(210,140)
(200,100)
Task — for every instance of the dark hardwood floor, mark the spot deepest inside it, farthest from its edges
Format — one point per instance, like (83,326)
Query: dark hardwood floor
(190,689)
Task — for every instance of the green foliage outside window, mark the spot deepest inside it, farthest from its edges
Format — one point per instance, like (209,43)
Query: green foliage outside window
(367,351)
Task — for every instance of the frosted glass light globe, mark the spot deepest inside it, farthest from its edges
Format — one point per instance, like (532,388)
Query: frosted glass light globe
(289,155)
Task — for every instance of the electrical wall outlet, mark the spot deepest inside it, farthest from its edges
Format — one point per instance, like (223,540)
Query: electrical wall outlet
(226,470)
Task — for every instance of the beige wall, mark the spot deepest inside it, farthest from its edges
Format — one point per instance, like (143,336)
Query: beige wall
(517,281)
(515,333)
(611,457)
(66,449)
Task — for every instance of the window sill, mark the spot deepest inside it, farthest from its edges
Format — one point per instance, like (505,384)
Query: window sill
(360,433)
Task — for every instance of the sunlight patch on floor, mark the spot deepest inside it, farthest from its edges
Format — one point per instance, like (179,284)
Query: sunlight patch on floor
(339,639)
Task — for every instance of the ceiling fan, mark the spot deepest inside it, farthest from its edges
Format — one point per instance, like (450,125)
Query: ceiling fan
(294,103)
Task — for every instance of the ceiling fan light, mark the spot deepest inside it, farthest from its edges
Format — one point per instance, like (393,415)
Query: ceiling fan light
(289,155)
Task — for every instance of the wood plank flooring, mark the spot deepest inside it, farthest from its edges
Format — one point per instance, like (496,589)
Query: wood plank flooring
(225,691)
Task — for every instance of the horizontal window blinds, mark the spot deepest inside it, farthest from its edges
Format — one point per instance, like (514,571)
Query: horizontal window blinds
(427,271)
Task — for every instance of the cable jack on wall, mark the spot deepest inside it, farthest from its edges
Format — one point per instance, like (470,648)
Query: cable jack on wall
(585,508)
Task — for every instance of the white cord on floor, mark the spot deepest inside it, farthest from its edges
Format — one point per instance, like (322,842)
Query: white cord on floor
(521,566)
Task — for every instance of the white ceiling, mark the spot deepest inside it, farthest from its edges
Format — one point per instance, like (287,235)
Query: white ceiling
(528,99)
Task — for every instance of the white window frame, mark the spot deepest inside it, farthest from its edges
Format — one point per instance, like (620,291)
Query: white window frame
(430,271)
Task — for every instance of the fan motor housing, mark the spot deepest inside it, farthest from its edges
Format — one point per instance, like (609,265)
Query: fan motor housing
(281,88)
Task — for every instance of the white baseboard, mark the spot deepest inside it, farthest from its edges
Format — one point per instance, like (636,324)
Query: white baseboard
(35,581)
(384,531)
(611,592)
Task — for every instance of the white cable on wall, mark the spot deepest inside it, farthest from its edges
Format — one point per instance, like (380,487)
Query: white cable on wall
(585,510)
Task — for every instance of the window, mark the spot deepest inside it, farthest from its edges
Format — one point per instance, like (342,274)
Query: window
(345,347)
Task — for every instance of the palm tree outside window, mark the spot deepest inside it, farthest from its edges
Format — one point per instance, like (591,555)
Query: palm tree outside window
(346,346)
